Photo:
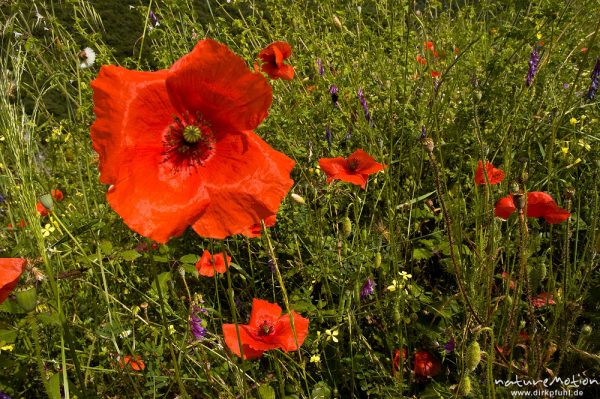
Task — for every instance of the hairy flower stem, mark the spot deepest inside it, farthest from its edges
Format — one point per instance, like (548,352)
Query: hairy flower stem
(429,145)
(524,275)
(565,334)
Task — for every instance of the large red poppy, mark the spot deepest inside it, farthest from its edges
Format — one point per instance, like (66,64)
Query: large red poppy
(208,264)
(494,175)
(272,58)
(356,169)
(10,272)
(426,365)
(267,329)
(177,145)
(538,205)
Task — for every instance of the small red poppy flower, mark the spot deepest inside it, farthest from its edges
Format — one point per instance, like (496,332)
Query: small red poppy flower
(456,50)
(256,229)
(511,284)
(539,204)
(399,357)
(10,272)
(21,224)
(57,194)
(356,169)
(209,264)
(177,146)
(421,60)
(135,362)
(584,50)
(494,175)
(42,209)
(266,330)
(426,365)
(273,56)
(435,74)
(428,45)
(543,299)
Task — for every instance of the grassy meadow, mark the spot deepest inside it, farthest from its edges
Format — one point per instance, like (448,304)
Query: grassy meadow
(414,287)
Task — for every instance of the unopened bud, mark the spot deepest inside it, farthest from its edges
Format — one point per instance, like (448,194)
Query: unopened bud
(473,356)
(377,262)
(465,385)
(346,226)
(337,23)
(298,199)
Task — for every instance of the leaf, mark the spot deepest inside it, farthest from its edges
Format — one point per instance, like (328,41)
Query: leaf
(106,247)
(54,386)
(321,391)
(8,336)
(160,259)
(162,278)
(190,268)
(130,255)
(10,306)
(266,392)
(189,258)
(421,253)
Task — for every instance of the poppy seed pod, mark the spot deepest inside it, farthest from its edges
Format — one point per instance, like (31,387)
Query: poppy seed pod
(47,201)
(473,356)
(519,201)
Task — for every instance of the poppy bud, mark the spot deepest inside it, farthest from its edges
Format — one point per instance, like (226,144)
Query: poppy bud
(27,299)
(473,356)
(337,23)
(298,199)
(347,226)
(465,386)
(47,201)
(377,262)
(586,330)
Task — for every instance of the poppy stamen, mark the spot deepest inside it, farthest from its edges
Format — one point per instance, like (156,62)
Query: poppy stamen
(189,142)
(353,164)
(266,328)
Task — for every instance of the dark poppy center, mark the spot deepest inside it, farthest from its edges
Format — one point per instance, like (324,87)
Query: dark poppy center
(266,328)
(190,141)
(353,165)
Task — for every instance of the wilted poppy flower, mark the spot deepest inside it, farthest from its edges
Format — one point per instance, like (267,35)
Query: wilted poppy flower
(273,56)
(538,205)
(135,362)
(426,365)
(543,299)
(10,271)
(178,148)
(356,169)
(494,175)
(266,330)
(208,264)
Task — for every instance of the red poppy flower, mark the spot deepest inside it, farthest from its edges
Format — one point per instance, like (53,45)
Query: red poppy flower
(543,299)
(511,283)
(42,209)
(435,74)
(209,264)
(57,194)
(256,229)
(428,45)
(356,169)
(10,272)
(273,56)
(421,60)
(538,205)
(266,330)
(178,148)
(494,175)
(426,365)
(21,224)
(135,362)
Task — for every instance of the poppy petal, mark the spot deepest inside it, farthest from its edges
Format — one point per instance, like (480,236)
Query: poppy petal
(148,191)
(556,215)
(115,89)
(245,189)
(366,163)
(231,340)
(216,83)
(284,334)
(538,203)
(263,310)
(332,166)
(10,272)
(504,207)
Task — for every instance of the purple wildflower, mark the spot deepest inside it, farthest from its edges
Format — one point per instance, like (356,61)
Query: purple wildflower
(320,67)
(4,396)
(565,86)
(423,132)
(367,289)
(534,61)
(449,346)
(363,102)
(154,18)
(2,199)
(333,90)
(328,137)
(594,84)
(198,331)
